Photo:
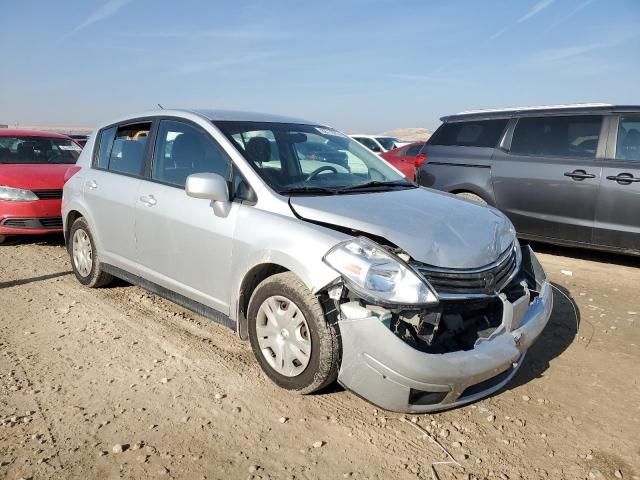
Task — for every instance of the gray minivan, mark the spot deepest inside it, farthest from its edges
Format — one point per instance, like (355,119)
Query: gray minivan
(566,174)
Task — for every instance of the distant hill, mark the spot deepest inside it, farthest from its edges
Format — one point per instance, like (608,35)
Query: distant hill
(409,134)
(54,129)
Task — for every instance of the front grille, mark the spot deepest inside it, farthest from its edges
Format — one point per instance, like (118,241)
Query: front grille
(486,280)
(48,194)
(33,223)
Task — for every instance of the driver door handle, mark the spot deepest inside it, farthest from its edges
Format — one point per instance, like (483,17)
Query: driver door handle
(623,178)
(148,200)
(579,175)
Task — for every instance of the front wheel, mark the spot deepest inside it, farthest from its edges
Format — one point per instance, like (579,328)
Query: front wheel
(293,343)
(84,256)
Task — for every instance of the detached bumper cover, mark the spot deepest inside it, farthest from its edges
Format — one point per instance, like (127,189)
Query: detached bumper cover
(384,370)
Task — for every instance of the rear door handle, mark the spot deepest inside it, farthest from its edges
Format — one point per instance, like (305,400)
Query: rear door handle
(579,175)
(624,178)
(92,184)
(149,200)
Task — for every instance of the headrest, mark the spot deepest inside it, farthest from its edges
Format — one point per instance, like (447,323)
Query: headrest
(258,150)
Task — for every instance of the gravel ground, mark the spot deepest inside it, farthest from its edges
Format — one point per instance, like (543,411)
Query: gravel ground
(118,383)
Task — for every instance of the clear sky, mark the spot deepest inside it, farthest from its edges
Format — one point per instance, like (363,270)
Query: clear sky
(367,65)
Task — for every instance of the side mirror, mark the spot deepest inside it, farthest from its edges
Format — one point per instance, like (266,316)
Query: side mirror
(209,186)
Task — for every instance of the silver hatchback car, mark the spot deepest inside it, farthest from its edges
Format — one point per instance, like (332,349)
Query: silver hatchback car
(317,251)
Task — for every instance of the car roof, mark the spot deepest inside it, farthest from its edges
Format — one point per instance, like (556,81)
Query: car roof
(578,108)
(368,135)
(216,116)
(13,132)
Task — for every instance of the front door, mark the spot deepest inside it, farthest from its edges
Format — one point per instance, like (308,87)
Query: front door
(617,222)
(182,244)
(547,182)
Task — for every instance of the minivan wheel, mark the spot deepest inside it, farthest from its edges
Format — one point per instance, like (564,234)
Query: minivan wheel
(293,343)
(84,256)
(471,196)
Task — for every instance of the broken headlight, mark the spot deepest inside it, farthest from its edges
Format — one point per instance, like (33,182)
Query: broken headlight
(377,275)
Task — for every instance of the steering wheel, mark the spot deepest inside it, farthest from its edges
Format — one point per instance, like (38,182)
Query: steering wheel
(324,168)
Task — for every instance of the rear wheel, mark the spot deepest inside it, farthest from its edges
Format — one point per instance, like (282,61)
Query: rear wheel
(471,196)
(84,256)
(293,343)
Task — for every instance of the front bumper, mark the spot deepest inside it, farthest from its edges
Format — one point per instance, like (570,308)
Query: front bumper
(384,370)
(30,218)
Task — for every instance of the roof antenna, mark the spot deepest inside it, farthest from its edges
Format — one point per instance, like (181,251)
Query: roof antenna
(161,107)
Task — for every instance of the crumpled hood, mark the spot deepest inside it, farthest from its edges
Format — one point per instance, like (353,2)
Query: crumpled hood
(435,228)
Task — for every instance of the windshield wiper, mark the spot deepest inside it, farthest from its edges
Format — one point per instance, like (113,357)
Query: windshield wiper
(375,184)
(308,190)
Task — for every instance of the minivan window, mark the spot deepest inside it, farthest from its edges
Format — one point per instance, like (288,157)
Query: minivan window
(563,136)
(479,133)
(104,147)
(181,150)
(127,153)
(628,144)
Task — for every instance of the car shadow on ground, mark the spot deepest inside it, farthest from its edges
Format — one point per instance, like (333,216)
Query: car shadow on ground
(53,239)
(608,258)
(557,336)
(40,278)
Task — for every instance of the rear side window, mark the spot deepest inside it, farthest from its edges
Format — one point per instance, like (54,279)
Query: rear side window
(482,133)
(628,145)
(104,147)
(127,152)
(369,143)
(570,136)
(413,150)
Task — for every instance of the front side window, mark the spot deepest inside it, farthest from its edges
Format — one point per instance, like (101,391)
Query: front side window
(628,144)
(479,133)
(127,152)
(25,149)
(182,150)
(307,159)
(566,136)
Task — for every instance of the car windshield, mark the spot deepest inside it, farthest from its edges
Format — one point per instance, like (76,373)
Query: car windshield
(388,143)
(25,149)
(310,160)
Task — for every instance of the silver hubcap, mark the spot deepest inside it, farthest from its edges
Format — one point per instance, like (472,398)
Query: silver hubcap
(283,336)
(82,253)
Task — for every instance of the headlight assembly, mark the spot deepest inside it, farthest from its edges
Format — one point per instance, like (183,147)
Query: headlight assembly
(377,275)
(16,194)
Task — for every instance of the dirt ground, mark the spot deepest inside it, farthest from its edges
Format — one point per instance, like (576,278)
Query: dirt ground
(118,383)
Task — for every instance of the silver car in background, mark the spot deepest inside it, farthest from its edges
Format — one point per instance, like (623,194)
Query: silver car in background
(321,254)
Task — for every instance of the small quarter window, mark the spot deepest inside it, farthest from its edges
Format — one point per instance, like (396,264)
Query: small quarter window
(104,147)
(480,133)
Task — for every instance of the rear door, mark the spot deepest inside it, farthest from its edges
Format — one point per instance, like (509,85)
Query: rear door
(182,245)
(546,179)
(617,219)
(110,189)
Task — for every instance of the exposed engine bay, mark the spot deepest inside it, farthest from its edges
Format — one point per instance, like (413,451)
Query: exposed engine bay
(457,323)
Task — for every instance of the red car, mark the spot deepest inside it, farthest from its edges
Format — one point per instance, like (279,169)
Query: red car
(404,158)
(33,169)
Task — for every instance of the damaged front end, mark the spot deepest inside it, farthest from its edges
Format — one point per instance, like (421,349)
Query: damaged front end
(449,338)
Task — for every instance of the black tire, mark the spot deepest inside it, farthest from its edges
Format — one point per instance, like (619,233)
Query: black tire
(324,360)
(96,277)
(471,196)
(8,240)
